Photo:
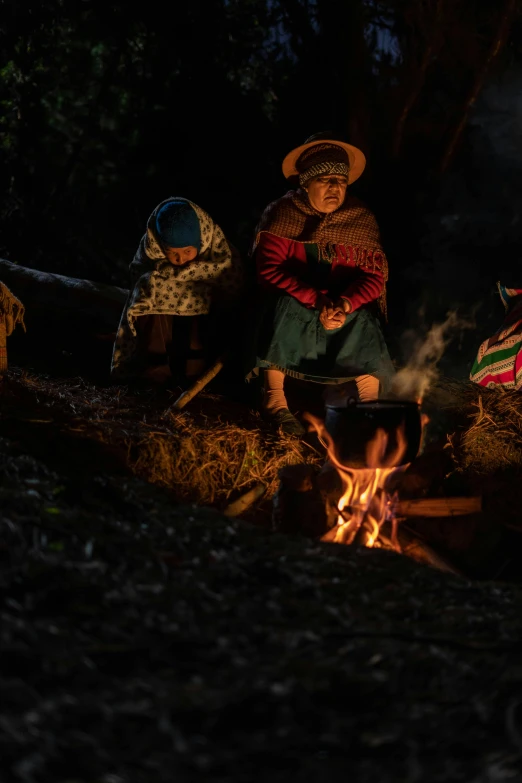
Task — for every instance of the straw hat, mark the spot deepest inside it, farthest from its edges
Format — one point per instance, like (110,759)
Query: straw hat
(356,158)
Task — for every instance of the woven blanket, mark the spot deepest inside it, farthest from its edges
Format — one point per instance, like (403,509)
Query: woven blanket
(499,358)
(11,314)
(353,225)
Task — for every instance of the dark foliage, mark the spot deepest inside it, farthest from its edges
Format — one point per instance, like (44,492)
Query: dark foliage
(106,110)
(145,640)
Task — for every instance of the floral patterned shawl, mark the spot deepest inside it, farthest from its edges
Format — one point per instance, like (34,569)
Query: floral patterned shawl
(160,287)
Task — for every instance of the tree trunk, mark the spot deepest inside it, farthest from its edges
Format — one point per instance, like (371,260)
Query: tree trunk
(497,43)
(431,47)
(349,77)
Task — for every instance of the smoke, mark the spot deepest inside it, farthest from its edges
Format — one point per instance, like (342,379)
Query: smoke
(413,381)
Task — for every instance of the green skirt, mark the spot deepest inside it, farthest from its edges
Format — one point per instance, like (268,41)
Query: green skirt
(290,337)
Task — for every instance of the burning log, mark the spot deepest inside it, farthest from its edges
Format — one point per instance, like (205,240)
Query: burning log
(412,546)
(439,507)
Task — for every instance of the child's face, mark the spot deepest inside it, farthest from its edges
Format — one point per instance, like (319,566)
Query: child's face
(180,255)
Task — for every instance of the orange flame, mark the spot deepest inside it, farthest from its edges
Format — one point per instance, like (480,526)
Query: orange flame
(365,505)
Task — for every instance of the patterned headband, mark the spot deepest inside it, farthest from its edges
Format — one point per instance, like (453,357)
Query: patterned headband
(321,153)
(321,169)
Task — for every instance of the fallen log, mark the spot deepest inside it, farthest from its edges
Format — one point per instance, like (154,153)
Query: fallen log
(45,292)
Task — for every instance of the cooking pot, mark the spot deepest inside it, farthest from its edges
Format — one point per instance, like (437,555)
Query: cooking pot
(354,426)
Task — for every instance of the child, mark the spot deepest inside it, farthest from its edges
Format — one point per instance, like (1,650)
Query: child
(185,275)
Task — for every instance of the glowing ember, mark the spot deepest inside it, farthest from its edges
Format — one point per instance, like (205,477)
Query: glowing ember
(365,504)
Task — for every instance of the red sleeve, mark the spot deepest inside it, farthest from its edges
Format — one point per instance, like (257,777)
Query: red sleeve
(276,269)
(368,285)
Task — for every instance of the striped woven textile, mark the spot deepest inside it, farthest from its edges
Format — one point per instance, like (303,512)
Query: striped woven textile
(352,225)
(499,358)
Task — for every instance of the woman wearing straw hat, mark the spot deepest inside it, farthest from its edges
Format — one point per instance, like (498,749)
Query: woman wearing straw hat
(322,274)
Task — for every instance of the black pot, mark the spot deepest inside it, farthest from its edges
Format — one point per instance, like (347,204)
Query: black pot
(354,426)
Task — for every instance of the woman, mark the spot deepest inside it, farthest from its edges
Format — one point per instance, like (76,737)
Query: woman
(183,268)
(322,273)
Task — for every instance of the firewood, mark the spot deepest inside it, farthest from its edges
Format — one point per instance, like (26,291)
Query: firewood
(409,546)
(240,505)
(439,507)
(200,384)
(298,507)
(298,478)
(418,550)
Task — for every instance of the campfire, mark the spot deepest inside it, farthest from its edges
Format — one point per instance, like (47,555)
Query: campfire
(365,504)
(352,499)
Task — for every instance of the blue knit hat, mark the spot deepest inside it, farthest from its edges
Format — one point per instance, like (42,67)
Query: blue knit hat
(178,225)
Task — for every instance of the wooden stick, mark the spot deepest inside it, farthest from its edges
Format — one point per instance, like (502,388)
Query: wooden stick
(439,507)
(200,384)
(418,550)
(245,501)
(412,547)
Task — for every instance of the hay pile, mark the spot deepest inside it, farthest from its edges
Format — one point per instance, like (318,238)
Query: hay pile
(488,435)
(209,453)
(210,464)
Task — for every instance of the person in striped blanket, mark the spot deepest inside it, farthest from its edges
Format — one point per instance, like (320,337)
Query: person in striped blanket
(499,358)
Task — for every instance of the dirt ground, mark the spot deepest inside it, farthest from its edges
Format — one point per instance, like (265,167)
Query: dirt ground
(147,639)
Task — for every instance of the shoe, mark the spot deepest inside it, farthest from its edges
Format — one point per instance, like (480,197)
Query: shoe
(286,422)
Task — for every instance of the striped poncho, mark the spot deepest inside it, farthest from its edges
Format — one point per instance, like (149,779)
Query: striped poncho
(499,358)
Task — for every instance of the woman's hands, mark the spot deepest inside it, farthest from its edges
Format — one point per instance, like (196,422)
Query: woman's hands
(332,315)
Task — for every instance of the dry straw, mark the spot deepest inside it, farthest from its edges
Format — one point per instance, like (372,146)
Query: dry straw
(211,464)
(209,453)
(488,435)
